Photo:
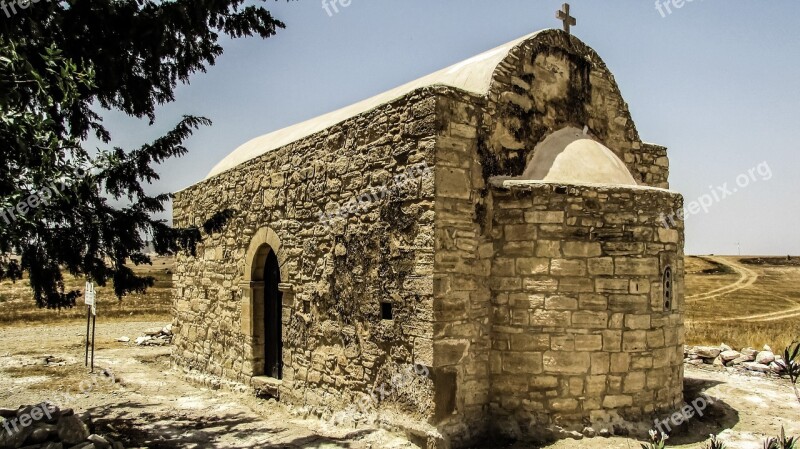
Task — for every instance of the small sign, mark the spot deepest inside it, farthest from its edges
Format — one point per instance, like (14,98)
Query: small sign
(89,295)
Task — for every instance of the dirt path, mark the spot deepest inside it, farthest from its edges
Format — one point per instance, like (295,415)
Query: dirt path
(151,405)
(747,278)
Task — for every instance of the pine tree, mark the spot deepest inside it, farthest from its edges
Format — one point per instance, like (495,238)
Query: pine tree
(59,62)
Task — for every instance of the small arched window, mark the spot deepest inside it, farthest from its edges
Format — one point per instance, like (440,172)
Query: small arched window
(668,289)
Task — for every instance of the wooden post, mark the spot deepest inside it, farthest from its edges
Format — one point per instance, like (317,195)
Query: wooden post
(94,323)
(88,319)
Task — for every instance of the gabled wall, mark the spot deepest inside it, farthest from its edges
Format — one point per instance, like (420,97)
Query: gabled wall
(548,83)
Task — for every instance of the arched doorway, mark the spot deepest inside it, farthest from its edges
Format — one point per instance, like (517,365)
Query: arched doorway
(263,297)
(273,300)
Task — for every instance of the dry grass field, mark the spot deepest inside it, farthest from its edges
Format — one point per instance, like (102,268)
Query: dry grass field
(17,307)
(742,301)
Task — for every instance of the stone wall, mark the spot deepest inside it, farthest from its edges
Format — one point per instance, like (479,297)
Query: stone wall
(581,332)
(551,82)
(462,327)
(337,347)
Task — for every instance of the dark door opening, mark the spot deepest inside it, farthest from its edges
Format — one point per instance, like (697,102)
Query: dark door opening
(273,300)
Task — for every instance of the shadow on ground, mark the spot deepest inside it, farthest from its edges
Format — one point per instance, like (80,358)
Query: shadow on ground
(717,415)
(135,427)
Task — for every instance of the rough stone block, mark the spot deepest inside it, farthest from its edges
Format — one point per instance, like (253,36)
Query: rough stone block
(637,322)
(522,362)
(601,266)
(562,343)
(620,362)
(565,267)
(634,341)
(527,301)
(600,363)
(588,342)
(566,362)
(668,235)
(519,232)
(453,183)
(561,303)
(548,248)
(450,352)
(590,320)
(617,401)
(575,285)
(582,249)
(529,342)
(563,405)
(544,382)
(540,284)
(627,266)
(591,301)
(550,318)
(634,382)
(612,340)
(603,285)
(503,267)
(544,217)
(533,266)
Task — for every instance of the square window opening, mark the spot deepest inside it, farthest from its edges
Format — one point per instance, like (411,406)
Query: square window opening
(386,311)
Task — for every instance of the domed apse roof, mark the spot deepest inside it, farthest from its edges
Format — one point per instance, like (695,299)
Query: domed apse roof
(572,157)
(473,75)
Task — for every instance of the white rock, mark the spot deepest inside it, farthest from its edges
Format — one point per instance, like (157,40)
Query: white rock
(767,348)
(765,357)
(749,353)
(123,339)
(723,347)
(776,367)
(758,367)
(729,355)
(706,352)
(141,340)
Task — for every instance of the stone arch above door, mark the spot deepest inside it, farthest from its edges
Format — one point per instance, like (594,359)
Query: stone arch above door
(264,237)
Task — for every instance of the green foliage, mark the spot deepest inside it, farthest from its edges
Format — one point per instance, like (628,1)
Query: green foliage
(791,364)
(658,440)
(59,62)
(782,442)
(715,443)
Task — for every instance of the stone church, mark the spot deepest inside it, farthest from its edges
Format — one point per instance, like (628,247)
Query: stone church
(482,246)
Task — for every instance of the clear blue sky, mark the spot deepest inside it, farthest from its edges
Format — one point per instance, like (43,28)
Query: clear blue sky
(718,82)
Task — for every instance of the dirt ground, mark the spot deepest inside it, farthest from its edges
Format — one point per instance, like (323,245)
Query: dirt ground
(143,403)
(148,405)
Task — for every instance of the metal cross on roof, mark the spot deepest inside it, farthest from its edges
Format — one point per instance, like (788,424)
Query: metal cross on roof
(564,16)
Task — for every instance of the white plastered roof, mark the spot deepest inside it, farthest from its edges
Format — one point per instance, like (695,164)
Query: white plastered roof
(473,75)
